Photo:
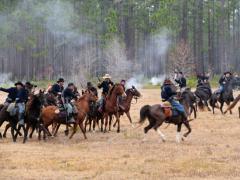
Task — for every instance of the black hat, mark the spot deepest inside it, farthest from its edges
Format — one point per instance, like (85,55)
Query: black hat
(28,84)
(70,84)
(227,72)
(180,72)
(60,80)
(19,83)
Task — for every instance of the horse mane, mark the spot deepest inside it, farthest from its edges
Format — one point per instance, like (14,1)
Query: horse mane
(111,90)
(34,102)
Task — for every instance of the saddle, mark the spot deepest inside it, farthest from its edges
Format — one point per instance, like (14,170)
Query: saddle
(168,110)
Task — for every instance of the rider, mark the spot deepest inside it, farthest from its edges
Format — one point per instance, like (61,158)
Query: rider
(168,94)
(12,94)
(120,98)
(21,99)
(105,85)
(29,87)
(91,88)
(57,88)
(227,76)
(181,81)
(68,96)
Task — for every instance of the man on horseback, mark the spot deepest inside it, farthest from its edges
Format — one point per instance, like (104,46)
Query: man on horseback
(29,87)
(21,99)
(223,81)
(12,94)
(181,81)
(120,98)
(57,88)
(105,85)
(168,94)
(68,96)
(91,88)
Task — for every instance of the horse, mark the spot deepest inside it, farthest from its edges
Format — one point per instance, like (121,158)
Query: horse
(225,97)
(126,103)
(13,120)
(111,105)
(203,93)
(156,116)
(188,100)
(52,116)
(33,109)
(82,106)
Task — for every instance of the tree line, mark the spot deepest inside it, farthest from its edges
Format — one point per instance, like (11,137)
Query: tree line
(45,39)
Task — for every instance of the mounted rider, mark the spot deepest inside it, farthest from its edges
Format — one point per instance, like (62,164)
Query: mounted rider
(67,97)
(92,89)
(21,99)
(106,84)
(120,98)
(12,94)
(181,81)
(57,89)
(223,81)
(168,94)
(30,87)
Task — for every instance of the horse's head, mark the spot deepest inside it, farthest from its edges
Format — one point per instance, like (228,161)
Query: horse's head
(118,90)
(90,96)
(135,93)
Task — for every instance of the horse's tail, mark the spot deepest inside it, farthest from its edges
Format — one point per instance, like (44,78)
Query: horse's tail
(144,113)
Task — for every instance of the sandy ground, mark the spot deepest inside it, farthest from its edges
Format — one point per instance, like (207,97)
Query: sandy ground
(212,151)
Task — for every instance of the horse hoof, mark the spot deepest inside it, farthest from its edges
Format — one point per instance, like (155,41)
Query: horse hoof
(133,126)
(118,131)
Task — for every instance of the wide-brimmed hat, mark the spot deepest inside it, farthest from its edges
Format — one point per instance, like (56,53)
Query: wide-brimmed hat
(227,72)
(60,80)
(30,85)
(19,83)
(106,76)
(70,84)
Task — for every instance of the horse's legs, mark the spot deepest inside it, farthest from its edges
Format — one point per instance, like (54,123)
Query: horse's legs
(221,106)
(33,129)
(83,130)
(25,133)
(178,136)
(56,130)
(118,120)
(5,131)
(90,124)
(239,111)
(206,104)
(228,103)
(187,125)
(74,130)
(110,123)
(86,123)
(106,122)
(129,117)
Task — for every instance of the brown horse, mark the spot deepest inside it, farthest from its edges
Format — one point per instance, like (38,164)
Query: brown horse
(111,106)
(50,115)
(126,103)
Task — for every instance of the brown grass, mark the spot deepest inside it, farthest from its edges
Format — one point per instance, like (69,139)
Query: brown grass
(212,151)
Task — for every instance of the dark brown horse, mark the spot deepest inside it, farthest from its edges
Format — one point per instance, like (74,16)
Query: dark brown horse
(126,103)
(156,117)
(111,106)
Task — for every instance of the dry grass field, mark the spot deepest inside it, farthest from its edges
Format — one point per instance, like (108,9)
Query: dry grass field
(212,151)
